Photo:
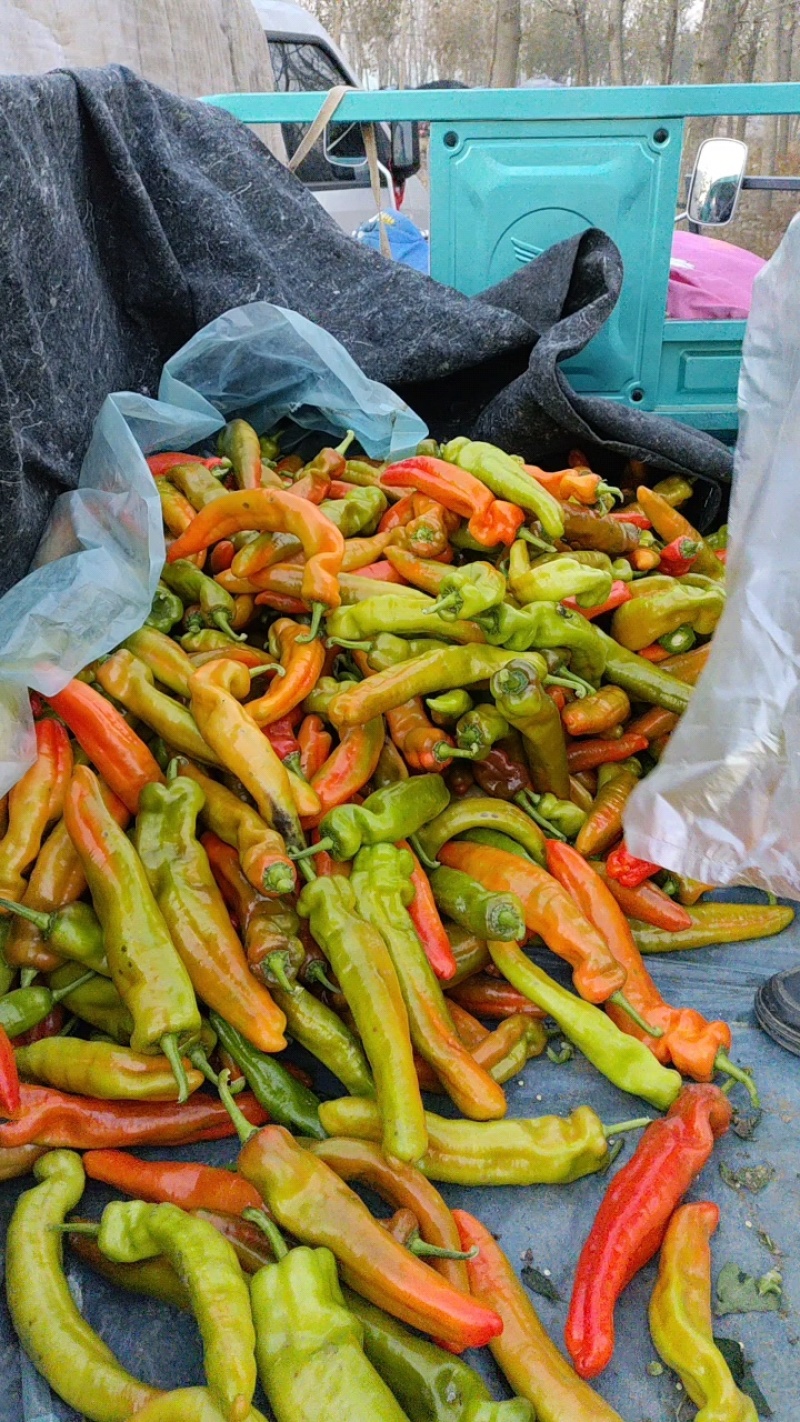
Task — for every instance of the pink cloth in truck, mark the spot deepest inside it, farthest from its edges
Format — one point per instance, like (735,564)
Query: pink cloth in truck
(710,280)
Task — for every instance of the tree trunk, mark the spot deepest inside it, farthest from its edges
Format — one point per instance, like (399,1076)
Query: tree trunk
(616,41)
(582,71)
(669,41)
(507,36)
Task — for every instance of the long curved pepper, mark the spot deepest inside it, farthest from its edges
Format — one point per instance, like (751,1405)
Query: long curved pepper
(34,802)
(273,511)
(244,749)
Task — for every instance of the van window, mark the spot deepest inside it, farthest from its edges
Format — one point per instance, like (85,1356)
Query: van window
(304,65)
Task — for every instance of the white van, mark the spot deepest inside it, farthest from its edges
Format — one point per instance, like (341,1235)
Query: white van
(304,59)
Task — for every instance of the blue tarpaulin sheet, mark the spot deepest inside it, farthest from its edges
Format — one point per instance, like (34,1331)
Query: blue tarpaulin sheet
(163,1347)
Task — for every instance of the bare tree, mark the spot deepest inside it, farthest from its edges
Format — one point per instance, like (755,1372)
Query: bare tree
(505,53)
(616,41)
(669,40)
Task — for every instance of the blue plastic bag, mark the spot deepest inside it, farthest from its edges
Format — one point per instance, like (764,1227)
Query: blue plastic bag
(97,566)
(407,242)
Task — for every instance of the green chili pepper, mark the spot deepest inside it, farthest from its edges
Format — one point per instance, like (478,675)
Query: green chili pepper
(73,932)
(467,591)
(310,1355)
(65,1350)
(23,1009)
(507,480)
(193,586)
(643,620)
(402,612)
(132,683)
(364,969)
(239,443)
(387,650)
(718,539)
(522,700)
(166,609)
(270,446)
(358,512)
(624,1060)
(643,680)
(381,882)
(131,1230)
(550,626)
(429,1384)
(323,1033)
(197,483)
(681,640)
(484,812)
(102,1070)
(477,731)
(166,660)
(495,839)
(485,914)
(7,971)
(287,1100)
(387,815)
(449,705)
(556,579)
(558,818)
(94,1000)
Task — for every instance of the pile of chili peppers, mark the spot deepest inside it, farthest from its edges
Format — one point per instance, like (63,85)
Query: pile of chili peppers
(375,738)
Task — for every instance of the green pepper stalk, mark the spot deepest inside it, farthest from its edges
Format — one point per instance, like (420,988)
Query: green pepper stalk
(507,480)
(560,819)
(448,706)
(469,904)
(73,932)
(468,591)
(66,1351)
(478,730)
(131,1230)
(27,1006)
(522,700)
(544,1150)
(364,969)
(193,586)
(387,815)
(165,611)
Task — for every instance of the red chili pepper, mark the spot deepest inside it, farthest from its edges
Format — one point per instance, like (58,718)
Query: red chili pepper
(634,516)
(162,463)
(722,554)
(50,1026)
(222,555)
(425,917)
(492,998)
(629,871)
(281,734)
(340,488)
(590,753)
(383,571)
(633,1218)
(9,1077)
(280,602)
(679,556)
(173,1182)
(654,653)
(121,757)
(315,745)
(620,592)
(649,904)
(57,1119)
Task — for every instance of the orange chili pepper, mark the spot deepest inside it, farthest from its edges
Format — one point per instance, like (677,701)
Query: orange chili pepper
(491,520)
(549,911)
(177,514)
(360,552)
(382,572)
(607,708)
(581,485)
(603,824)
(620,593)
(58,1119)
(159,464)
(313,485)
(492,998)
(120,756)
(263,552)
(648,903)
(653,723)
(424,915)
(655,652)
(643,560)
(669,523)
(271,510)
(348,767)
(689,1041)
(302,662)
(687,666)
(315,745)
(416,737)
(422,573)
(290,606)
(222,554)
(185,1183)
(33,803)
(588,754)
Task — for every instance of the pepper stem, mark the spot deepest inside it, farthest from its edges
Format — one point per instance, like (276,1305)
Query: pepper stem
(578,683)
(221,619)
(279,878)
(244,1130)
(443,751)
(604,488)
(200,1062)
(525,802)
(423,858)
(529,537)
(315,973)
(43,921)
(297,854)
(277,1243)
(307,870)
(723,1063)
(77,1227)
(505,922)
(79,982)
(620,1000)
(637,1124)
(267,667)
(346,442)
(348,644)
(28,976)
(317,609)
(416,1245)
(443,604)
(277,963)
(169,1046)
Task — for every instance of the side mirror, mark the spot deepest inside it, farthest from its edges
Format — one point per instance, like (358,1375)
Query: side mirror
(343,145)
(405,158)
(716,182)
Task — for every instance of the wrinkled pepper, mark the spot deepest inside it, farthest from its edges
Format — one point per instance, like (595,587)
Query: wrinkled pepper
(484,912)
(522,701)
(193,586)
(261,850)
(34,803)
(132,683)
(301,660)
(385,816)
(57,1118)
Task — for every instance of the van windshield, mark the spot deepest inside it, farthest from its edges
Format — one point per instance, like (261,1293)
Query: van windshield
(304,65)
